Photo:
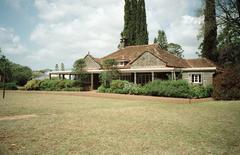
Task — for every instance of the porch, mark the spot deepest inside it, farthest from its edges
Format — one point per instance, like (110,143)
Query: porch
(136,76)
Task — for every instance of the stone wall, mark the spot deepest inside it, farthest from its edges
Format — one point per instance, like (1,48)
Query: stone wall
(147,60)
(207,77)
(91,64)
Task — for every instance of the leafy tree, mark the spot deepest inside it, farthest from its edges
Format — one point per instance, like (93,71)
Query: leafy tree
(209,46)
(20,74)
(229,55)
(79,68)
(172,48)
(161,40)
(62,67)
(175,49)
(111,72)
(228,16)
(5,68)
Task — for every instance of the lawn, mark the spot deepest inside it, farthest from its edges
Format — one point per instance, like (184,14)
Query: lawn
(69,124)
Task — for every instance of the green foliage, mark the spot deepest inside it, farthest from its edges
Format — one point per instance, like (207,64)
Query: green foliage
(178,88)
(169,88)
(227,84)
(56,67)
(175,49)
(161,40)
(172,48)
(79,67)
(14,72)
(50,85)
(229,55)
(135,24)
(9,86)
(62,67)
(20,74)
(33,85)
(111,72)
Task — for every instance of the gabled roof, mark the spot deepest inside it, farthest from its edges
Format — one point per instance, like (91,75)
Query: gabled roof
(131,53)
(97,60)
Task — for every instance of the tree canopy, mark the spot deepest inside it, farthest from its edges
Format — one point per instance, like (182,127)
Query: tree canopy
(135,23)
(172,48)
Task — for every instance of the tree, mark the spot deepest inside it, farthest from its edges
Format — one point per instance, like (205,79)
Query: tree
(5,70)
(161,40)
(228,16)
(141,24)
(20,74)
(110,72)
(56,67)
(62,67)
(79,68)
(209,46)
(135,24)
(175,49)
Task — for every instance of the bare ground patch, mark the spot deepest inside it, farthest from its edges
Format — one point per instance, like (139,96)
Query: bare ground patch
(16,117)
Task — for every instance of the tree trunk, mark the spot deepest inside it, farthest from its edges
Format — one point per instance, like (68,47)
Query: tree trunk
(210,31)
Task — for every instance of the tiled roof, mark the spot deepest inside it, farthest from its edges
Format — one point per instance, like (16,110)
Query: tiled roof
(200,62)
(131,53)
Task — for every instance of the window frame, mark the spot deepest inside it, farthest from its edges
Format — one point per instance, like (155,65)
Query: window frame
(196,78)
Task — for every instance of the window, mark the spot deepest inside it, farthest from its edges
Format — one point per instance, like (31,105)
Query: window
(121,64)
(196,78)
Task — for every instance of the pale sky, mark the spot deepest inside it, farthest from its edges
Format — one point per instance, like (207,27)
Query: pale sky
(42,33)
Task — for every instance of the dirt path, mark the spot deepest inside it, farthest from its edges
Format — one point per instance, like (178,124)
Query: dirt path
(16,117)
(122,96)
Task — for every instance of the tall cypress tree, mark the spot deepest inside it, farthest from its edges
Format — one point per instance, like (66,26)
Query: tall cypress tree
(135,24)
(209,49)
(143,37)
(127,18)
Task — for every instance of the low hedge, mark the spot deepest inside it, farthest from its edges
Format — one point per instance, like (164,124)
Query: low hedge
(9,86)
(51,85)
(179,88)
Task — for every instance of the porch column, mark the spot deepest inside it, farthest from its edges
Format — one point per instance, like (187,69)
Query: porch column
(173,75)
(50,77)
(70,77)
(135,78)
(152,76)
(63,76)
(91,81)
(59,76)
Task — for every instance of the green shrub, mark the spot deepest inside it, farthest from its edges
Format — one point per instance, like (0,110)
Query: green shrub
(179,88)
(9,86)
(32,85)
(200,91)
(101,89)
(51,85)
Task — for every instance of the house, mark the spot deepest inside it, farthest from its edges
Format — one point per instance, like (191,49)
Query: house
(144,63)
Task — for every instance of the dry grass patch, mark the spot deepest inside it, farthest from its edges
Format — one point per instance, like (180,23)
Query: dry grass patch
(95,125)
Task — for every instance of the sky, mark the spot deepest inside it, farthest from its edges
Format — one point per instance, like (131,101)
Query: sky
(42,33)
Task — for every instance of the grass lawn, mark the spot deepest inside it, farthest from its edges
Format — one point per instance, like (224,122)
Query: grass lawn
(63,124)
